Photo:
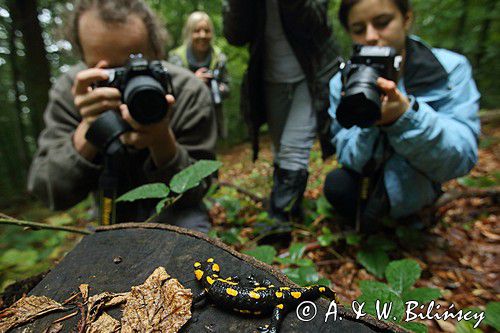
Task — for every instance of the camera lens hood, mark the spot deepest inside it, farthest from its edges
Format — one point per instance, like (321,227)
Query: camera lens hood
(145,98)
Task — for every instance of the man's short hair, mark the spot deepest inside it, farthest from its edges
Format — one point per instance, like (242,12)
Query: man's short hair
(117,11)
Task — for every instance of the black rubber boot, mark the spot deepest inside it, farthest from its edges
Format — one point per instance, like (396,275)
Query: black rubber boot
(287,194)
(285,205)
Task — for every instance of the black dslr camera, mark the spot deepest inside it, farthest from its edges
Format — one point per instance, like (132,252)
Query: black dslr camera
(143,85)
(360,103)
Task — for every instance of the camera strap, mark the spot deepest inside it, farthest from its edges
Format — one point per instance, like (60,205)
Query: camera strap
(371,187)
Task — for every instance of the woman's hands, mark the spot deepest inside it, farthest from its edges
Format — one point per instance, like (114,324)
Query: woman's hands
(394,103)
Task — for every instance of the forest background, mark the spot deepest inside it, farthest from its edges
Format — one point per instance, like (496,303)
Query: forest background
(33,52)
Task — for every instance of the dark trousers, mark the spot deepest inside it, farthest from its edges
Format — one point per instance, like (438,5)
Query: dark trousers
(342,190)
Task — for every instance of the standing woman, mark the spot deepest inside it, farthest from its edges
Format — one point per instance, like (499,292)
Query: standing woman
(205,60)
(429,126)
(293,55)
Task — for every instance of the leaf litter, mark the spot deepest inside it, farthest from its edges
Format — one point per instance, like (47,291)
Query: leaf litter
(161,304)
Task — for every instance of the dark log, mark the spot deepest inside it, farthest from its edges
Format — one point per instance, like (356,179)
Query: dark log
(144,247)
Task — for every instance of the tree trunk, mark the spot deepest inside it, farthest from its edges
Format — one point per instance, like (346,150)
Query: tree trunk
(484,32)
(462,21)
(36,72)
(18,128)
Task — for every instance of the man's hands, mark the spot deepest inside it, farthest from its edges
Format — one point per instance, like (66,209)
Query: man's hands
(91,103)
(394,103)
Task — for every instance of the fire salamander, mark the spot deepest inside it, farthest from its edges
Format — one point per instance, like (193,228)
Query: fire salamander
(255,298)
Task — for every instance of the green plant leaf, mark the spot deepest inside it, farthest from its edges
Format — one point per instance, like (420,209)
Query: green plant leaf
(323,207)
(327,237)
(375,262)
(466,327)
(292,274)
(379,242)
(296,251)
(148,191)
(231,236)
(493,315)
(265,253)
(21,259)
(421,295)
(483,181)
(191,176)
(368,286)
(353,239)
(160,205)
(402,274)
(386,297)
(308,275)
(415,327)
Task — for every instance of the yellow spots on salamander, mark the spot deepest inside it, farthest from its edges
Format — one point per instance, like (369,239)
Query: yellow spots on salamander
(322,289)
(231,291)
(210,260)
(199,274)
(253,295)
(215,268)
(210,280)
(228,282)
(257,313)
(280,306)
(284,288)
(259,289)
(279,294)
(271,286)
(296,294)
(197,265)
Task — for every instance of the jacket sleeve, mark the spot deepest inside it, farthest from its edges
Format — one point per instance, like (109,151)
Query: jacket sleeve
(442,142)
(239,21)
(354,146)
(196,133)
(59,175)
(312,14)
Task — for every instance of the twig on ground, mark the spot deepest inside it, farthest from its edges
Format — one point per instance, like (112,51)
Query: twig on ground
(471,193)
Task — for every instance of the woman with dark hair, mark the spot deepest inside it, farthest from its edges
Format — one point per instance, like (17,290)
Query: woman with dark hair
(428,130)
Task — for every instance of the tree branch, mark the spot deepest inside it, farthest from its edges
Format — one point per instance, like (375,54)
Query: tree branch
(255,198)
(36,225)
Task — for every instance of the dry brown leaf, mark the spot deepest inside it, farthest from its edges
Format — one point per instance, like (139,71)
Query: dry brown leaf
(161,304)
(25,310)
(104,324)
(102,301)
(84,289)
(54,328)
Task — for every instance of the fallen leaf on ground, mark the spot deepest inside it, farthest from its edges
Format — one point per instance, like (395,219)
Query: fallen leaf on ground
(161,304)
(104,324)
(25,310)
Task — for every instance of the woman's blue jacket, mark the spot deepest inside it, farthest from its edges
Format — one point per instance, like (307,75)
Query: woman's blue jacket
(435,140)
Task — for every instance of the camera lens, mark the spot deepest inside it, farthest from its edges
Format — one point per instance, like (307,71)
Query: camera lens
(145,98)
(360,104)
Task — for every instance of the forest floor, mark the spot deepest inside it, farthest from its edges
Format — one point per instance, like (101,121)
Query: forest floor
(459,253)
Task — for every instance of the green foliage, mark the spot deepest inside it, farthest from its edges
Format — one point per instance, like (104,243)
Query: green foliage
(375,262)
(493,315)
(264,253)
(481,182)
(327,237)
(182,182)
(401,275)
(148,191)
(191,176)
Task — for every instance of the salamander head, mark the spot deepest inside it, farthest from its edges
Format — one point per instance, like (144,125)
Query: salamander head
(206,269)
